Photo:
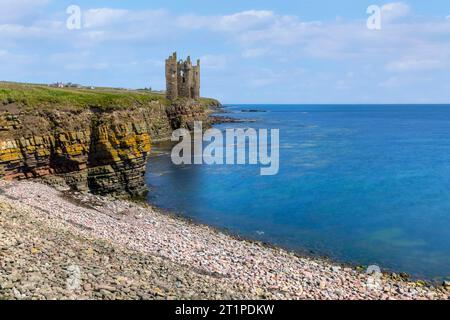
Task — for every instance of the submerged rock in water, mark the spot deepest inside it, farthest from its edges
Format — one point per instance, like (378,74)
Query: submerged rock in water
(252,110)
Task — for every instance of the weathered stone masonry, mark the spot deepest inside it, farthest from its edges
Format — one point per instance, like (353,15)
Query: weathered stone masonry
(182,78)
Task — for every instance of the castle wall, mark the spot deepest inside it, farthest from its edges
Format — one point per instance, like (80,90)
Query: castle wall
(196,81)
(182,78)
(172,77)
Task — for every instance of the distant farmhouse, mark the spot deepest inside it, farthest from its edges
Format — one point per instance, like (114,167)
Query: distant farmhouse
(57,85)
(182,78)
(65,85)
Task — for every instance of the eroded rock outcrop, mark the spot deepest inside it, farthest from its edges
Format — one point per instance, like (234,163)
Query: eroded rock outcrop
(104,152)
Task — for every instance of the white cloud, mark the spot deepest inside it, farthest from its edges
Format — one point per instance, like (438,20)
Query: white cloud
(154,63)
(106,24)
(83,60)
(393,11)
(11,59)
(211,61)
(103,17)
(98,66)
(257,33)
(244,20)
(17,31)
(258,77)
(239,21)
(255,52)
(138,40)
(98,18)
(261,82)
(409,64)
(14,10)
(396,82)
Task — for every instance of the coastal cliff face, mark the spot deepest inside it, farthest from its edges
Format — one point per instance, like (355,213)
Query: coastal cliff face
(92,149)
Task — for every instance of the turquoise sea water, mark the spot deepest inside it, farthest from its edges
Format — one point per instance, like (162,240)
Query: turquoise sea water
(360,184)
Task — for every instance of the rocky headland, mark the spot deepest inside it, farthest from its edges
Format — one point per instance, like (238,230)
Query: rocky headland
(89,140)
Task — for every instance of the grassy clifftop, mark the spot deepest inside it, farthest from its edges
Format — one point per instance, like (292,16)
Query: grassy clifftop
(30,97)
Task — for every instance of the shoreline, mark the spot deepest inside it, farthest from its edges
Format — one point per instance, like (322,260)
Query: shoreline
(160,148)
(246,268)
(220,115)
(299,253)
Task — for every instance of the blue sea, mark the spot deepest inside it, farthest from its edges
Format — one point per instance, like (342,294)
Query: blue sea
(361,184)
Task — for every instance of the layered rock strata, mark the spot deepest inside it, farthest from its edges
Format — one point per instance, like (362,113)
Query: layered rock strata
(104,152)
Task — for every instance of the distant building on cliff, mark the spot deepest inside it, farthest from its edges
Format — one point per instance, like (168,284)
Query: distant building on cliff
(182,78)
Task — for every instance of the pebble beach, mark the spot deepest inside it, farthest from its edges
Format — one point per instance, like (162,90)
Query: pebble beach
(57,244)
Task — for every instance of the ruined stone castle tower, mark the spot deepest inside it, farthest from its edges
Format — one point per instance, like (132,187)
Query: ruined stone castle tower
(182,78)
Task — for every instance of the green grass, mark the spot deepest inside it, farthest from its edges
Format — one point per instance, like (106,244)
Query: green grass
(208,102)
(42,97)
(31,96)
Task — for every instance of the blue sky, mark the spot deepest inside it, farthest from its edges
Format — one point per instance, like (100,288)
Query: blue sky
(311,51)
